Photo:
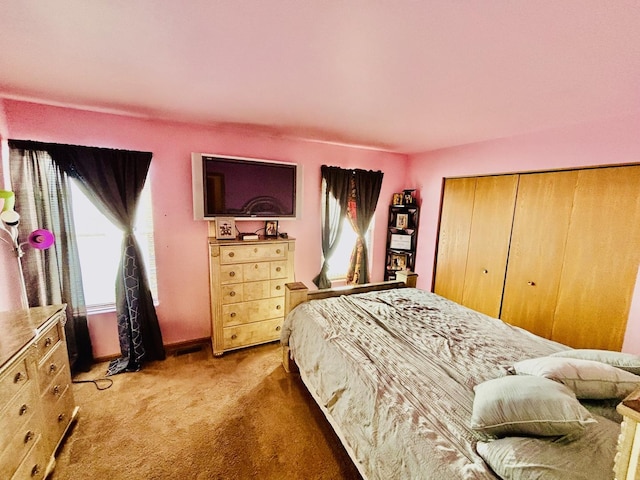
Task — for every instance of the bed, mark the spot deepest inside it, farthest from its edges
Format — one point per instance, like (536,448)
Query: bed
(399,373)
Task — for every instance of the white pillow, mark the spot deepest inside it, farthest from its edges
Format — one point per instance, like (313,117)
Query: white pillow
(527,405)
(526,458)
(625,361)
(587,378)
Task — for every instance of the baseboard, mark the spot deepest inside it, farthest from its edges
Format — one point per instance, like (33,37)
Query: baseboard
(178,348)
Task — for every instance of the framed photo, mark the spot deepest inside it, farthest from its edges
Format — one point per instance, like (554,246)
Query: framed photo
(398,199)
(271,228)
(408,197)
(400,242)
(225,228)
(398,261)
(402,221)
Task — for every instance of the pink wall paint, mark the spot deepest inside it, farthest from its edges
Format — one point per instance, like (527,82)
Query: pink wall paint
(613,141)
(181,242)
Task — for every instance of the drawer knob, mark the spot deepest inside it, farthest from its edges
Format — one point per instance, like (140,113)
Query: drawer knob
(61,417)
(23,409)
(29,436)
(35,471)
(255,266)
(231,254)
(233,314)
(56,390)
(48,342)
(18,378)
(234,336)
(278,269)
(278,251)
(278,328)
(278,307)
(52,368)
(278,287)
(531,284)
(485,271)
(232,293)
(232,274)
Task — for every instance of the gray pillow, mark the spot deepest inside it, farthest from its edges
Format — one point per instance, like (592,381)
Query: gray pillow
(589,457)
(625,361)
(587,378)
(526,405)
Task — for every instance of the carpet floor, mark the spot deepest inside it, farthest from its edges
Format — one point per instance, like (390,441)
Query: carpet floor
(193,416)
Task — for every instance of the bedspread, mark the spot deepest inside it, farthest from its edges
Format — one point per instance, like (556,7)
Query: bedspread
(394,372)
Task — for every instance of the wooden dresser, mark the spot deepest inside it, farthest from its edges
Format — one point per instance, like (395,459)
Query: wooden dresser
(247,281)
(627,464)
(36,401)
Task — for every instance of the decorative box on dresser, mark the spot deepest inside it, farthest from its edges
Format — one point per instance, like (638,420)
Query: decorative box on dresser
(36,402)
(247,281)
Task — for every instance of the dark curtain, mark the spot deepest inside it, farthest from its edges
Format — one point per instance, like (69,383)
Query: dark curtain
(52,276)
(113,180)
(365,192)
(335,190)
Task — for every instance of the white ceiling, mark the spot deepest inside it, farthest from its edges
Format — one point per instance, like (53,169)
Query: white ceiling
(398,75)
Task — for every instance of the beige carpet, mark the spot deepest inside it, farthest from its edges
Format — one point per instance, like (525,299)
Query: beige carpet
(193,416)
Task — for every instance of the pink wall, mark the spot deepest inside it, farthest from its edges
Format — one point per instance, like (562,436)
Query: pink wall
(613,141)
(180,242)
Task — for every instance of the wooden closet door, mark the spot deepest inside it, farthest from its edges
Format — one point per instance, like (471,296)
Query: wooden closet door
(538,240)
(489,243)
(601,259)
(453,237)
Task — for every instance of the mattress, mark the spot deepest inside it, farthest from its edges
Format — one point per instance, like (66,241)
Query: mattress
(394,372)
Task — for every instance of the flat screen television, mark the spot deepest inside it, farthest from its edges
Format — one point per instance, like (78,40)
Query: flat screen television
(245,188)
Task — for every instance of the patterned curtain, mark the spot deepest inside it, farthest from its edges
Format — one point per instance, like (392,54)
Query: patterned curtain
(364,191)
(113,181)
(52,276)
(335,194)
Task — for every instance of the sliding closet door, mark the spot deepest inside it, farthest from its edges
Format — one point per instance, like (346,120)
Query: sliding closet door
(489,243)
(538,239)
(601,259)
(453,237)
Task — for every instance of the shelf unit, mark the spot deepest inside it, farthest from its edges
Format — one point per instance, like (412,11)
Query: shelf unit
(402,239)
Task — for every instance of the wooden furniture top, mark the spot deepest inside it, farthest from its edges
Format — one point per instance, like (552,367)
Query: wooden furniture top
(19,327)
(630,406)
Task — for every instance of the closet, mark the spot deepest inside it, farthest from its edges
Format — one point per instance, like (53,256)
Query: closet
(556,253)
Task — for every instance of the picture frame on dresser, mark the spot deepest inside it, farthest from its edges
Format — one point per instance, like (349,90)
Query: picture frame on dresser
(271,229)
(225,228)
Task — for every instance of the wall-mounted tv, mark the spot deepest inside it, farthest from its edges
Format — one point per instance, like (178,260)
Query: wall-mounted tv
(245,188)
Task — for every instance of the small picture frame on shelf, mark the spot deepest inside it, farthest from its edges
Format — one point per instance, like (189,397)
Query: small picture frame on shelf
(408,197)
(400,241)
(271,228)
(402,221)
(398,261)
(225,228)
(398,199)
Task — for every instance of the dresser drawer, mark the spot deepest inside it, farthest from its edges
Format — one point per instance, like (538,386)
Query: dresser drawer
(277,287)
(34,465)
(231,293)
(13,380)
(252,333)
(278,269)
(231,274)
(247,253)
(255,271)
(58,413)
(48,340)
(17,413)
(20,446)
(50,366)
(254,311)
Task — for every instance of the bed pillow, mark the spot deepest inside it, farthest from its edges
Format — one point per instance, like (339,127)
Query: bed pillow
(526,405)
(625,361)
(586,458)
(587,378)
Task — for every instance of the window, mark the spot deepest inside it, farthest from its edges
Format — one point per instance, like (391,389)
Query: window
(339,261)
(99,246)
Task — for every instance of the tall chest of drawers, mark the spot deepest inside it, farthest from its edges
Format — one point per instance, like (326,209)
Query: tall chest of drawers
(36,401)
(247,291)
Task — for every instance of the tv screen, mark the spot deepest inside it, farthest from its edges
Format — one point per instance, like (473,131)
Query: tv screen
(244,188)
